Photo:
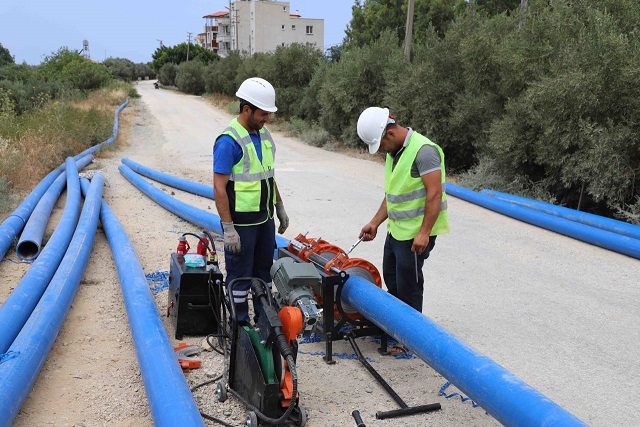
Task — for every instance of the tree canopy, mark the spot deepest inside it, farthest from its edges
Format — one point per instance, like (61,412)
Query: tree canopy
(5,56)
(180,53)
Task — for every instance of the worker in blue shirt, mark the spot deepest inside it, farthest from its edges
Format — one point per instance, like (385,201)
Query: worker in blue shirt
(246,193)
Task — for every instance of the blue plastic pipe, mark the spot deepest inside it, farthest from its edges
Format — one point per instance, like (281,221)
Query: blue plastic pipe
(21,364)
(605,239)
(30,241)
(168,393)
(604,223)
(14,223)
(114,133)
(173,181)
(18,306)
(199,217)
(500,393)
(503,395)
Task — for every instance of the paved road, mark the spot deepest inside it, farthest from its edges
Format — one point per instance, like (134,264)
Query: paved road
(562,315)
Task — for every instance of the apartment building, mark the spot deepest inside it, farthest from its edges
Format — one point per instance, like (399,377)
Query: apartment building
(253,26)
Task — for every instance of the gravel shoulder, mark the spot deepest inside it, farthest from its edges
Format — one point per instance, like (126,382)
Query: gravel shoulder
(560,314)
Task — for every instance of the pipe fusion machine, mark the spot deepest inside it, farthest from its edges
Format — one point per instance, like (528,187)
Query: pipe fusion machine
(308,277)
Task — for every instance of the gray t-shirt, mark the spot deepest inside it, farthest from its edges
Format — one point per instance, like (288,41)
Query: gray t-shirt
(427,160)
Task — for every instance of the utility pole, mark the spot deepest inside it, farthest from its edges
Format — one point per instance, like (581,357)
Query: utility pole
(523,13)
(408,33)
(188,44)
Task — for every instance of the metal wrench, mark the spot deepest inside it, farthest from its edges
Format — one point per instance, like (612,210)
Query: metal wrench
(354,245)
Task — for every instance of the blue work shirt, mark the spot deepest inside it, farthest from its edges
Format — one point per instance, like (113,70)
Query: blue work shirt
(227,152)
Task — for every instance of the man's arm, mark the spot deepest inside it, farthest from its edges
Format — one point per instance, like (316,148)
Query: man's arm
(222,199)
(370,230)
(431,182)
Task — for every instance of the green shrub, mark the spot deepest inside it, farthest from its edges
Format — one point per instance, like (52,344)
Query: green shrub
(290,69)
(6,197)
(85,75)
(120,68)
(316,136)
(257,65)
(190,77)
(630,212)
(220,76)
(296,126)
(167,75)
(358,81)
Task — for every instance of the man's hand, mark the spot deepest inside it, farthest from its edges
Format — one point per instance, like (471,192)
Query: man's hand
(282,217)
(420,242)
(231,238)
(368,232)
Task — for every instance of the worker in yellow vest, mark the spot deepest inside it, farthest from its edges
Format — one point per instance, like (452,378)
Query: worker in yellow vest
(246,193)
(415,201)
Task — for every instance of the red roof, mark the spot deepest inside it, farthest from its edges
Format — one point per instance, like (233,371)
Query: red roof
(217,14)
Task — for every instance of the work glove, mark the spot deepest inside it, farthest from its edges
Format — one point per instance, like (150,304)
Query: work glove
(231,238)
(282,217)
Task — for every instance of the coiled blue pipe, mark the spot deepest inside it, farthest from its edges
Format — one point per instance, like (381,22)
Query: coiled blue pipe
(500,393)
(604,223)
(503,395)
(605,239)
(168,393)
(22,363)
(173,181)
(30,241)
(15,311)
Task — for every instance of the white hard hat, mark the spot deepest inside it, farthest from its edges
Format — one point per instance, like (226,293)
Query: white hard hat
(258,92)
(372,124)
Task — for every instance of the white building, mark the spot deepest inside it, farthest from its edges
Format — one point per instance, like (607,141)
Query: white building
(252,26)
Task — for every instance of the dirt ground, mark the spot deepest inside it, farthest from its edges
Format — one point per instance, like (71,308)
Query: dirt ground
(91,376)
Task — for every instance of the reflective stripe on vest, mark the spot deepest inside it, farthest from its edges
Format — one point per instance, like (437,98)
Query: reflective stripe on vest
(246,144)
(406,195)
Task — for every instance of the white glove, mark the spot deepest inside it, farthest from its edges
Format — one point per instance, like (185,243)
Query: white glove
(282,217)
(231,238)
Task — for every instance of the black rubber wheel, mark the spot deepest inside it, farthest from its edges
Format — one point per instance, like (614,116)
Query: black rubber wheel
(298,416)
(221,392)
(252,419)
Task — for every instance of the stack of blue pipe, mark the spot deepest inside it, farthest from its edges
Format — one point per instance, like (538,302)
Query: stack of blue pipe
(34,312)
(607,233)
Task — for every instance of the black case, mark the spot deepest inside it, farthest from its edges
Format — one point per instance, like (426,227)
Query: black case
(193,305)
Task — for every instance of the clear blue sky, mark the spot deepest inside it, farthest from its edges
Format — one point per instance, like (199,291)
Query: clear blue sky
(31,29)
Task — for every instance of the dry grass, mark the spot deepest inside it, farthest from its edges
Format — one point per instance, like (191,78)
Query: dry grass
(33,144)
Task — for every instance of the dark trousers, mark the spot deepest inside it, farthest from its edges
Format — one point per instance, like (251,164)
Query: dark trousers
(255,260)
(402,270)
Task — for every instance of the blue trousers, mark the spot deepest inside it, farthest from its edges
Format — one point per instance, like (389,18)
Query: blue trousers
(402,270)
(254,260)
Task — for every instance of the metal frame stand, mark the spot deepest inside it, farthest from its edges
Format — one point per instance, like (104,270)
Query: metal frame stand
(331,287)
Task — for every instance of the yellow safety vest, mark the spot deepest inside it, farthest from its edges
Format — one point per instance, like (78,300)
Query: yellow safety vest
(406,196)
(251,187)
